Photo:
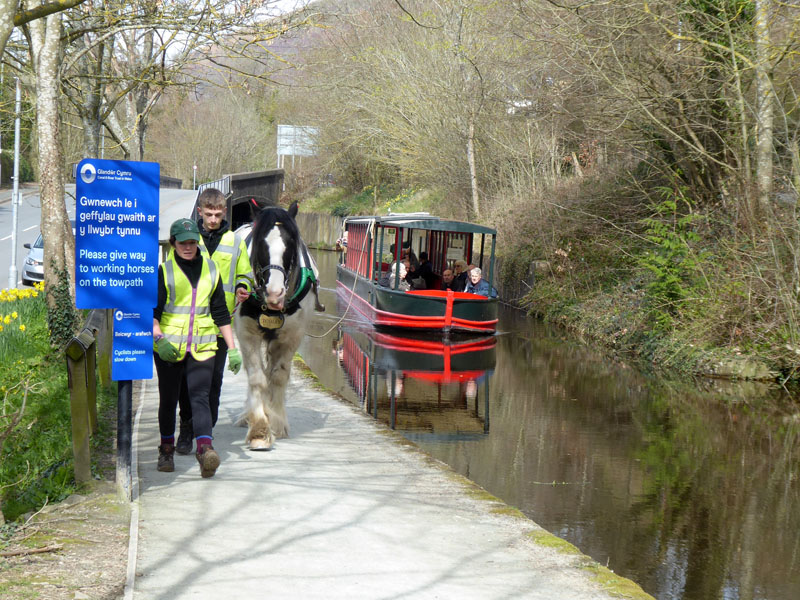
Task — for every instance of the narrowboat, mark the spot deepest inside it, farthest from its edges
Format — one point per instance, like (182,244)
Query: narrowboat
(375,243)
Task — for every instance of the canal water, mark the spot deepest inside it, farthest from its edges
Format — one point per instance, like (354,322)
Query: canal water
(689,488)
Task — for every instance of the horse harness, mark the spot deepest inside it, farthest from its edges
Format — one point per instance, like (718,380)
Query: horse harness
(301,280)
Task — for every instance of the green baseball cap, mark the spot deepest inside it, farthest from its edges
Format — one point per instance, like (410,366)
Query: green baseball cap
(183,230)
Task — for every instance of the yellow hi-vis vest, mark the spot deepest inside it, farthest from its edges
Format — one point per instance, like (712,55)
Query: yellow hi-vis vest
(186,319)
(233,263)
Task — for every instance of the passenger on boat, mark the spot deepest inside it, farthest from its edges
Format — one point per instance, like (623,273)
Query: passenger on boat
(460,273)
(448,281)
(407,252)
(425,270)
(341,243)
(413,277)
(478,285)
(388,279)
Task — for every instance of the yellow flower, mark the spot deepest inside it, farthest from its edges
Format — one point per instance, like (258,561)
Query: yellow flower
(7,319)
(22,327)
(14,315)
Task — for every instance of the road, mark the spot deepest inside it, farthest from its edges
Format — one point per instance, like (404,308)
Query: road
(173,204)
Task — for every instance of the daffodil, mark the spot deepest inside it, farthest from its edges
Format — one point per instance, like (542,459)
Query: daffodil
(22,327)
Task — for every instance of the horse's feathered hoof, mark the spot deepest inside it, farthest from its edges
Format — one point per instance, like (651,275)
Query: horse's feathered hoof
(259,444)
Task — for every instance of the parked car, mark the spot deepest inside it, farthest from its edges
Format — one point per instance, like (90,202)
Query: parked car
(33,267)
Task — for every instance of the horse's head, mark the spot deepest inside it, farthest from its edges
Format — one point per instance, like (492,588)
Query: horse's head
(274,254)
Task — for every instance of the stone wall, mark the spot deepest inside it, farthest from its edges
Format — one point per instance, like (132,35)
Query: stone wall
(318,230)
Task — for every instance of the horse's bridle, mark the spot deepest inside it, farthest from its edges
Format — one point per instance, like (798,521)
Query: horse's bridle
(300,280)
(261,280)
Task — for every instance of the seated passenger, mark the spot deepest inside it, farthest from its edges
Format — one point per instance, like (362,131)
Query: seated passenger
(460,274)
(388,279)
(414,277)
(477,285)
(449,281)
(406,252)
(425,270)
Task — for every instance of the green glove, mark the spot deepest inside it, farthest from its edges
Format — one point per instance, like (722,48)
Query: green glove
(166,350)
(234,360)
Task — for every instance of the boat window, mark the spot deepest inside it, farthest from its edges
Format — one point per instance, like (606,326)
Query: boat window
(457,248)
(357,257)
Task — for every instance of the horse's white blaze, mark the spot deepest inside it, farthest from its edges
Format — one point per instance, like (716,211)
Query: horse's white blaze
(276,285)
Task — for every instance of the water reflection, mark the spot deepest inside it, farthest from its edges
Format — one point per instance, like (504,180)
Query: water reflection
(419,385)
(690,488)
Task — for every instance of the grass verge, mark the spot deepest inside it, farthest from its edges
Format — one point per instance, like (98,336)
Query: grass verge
(36,463)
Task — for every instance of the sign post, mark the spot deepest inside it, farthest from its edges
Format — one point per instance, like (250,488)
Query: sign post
(294,141)
(116,267)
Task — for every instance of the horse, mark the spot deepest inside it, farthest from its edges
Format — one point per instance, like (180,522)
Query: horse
(272,322)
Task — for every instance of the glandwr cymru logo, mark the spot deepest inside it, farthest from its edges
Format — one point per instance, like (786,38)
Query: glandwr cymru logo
(88,173)
(119,315)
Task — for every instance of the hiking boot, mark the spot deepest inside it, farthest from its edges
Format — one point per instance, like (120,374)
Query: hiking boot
(165,458)
(185,438)
(209,461)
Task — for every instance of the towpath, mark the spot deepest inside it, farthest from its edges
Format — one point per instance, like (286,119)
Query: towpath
(344,508)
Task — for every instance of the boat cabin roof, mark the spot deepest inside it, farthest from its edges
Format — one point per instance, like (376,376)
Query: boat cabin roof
(422,221)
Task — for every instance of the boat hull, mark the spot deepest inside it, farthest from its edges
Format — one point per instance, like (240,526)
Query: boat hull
(420,310)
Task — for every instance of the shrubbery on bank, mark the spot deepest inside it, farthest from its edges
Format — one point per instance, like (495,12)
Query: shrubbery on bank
(36,465)
(651,274)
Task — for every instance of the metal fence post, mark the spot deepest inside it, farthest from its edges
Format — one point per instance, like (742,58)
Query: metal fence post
(124,437)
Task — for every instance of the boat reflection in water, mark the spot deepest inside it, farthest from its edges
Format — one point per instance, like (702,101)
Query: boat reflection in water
(418,385)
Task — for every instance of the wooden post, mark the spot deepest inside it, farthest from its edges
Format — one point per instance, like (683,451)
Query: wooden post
(91,386)
(100,322)
(77,369)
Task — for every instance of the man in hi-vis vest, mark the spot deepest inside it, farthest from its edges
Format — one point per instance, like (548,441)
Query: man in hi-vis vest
(229,253)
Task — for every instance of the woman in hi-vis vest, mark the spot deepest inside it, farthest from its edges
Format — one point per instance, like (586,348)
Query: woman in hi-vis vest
(191,302)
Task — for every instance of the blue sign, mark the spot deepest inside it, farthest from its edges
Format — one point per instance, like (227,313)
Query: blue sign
(116,234)
(132,347)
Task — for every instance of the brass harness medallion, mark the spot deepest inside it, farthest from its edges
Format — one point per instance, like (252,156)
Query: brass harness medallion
(270,321)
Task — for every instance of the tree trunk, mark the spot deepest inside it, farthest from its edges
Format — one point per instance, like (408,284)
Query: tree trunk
(91,67)
(764,105)
(8,9)
(473,176)
(9,13)
(59,243)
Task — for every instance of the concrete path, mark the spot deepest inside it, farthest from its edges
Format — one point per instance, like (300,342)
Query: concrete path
(342,509)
